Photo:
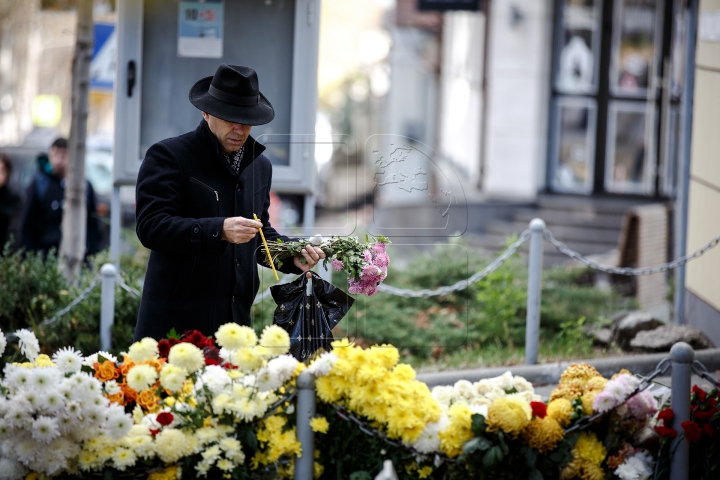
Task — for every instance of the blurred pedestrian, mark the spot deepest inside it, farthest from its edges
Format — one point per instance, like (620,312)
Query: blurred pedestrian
(9,201)
(196,196)
(42,219)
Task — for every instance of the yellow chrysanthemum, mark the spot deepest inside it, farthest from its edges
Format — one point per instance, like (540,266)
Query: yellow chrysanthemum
(43,361)
(318,470)
(543,434)
(170,473)
(577,375)
(406,372)
(567,392)
(510,414)
(587,402)
(187,356)
(458,430)
(596,384)
(561,410)
(385,355)
(425,471)
(319,424)
(590,449)
(276,339)
(233,336)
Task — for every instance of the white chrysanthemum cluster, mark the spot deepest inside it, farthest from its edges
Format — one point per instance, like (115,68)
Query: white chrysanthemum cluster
(479,395)
(48,412)
(638,466)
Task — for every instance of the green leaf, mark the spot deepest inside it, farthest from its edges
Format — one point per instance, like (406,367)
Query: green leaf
(492,457)
(535,475)
(477,443)
(530,456)
(87,369)
(478,424)
(107,475)
(361,475)
(173,334)
(101,359)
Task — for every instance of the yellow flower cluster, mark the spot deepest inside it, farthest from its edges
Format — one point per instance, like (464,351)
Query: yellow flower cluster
(274,443)
(543,434)
(579,380)
(372,384)
(588,455)
(170,473)
(458,430)
(510,414)
(319,425)
(42,360)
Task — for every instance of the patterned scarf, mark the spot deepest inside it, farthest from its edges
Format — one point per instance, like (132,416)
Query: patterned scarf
(234,159)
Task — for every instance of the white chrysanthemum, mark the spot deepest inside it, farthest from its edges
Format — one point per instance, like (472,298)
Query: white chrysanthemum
(215,378)
(112,387)
(444,395)
(323,365)
(25,449)
(29,345)
(45,429)
(495,393)
(92,359)
(145,349)
(141,377)
(117,422)
(465,389)
(53,401)
(266,381)
(68,360)
(172,444)
(3,343)
(16,377)
(233,336)
(522,385)
(172,377)
(210,455)
(282,367)
(504,381)
(43,378)
(11,469)
(483,387)
(635,467)
(187,356)
(429,440)
(246,359)
(275,338)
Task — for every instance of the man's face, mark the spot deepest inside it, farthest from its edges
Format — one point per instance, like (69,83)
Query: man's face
(231,136)
(58,160)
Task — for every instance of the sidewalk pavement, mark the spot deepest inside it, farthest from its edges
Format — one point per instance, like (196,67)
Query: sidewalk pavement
(549,373)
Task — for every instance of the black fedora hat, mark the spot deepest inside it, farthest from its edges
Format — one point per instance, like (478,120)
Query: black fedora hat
(233,94)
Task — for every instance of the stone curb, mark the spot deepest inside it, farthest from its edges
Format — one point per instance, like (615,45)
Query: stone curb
(549,373)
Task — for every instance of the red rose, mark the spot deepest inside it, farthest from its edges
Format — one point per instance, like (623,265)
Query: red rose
(165,418)
(666,416)
(666,432)
(699,392)
(692,431)
(709,430)
(539,409)
(701,416)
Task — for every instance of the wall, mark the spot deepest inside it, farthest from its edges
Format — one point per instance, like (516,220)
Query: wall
(520,48)
(703,276)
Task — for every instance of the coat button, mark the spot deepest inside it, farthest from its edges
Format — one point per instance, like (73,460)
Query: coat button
(237,262)
(233,298)
(196,230)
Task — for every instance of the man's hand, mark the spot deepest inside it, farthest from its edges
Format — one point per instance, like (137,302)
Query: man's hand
(239,229)
(312,256)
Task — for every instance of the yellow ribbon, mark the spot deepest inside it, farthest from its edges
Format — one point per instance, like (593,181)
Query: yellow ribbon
(267,250)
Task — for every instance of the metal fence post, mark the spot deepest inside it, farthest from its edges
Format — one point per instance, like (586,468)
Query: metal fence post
(107,310)
(682,356)
(535,266)
(304,466)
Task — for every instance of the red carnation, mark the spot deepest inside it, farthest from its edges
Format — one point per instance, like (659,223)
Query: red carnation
(692,431)
(539,409)
(163,348)
(154,431)
(211,361)
(699,392)
(666,416)
(709,430)
(194,337)
(165,418)
(704,416)
(666,432)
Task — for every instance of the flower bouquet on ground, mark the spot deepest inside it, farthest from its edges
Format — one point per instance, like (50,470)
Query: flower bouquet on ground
(365,263)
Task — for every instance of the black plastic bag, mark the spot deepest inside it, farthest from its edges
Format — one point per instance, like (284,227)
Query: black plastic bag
(309,319)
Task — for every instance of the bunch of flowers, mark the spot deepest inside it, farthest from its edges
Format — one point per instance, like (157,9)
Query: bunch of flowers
(49,410)
(365,263)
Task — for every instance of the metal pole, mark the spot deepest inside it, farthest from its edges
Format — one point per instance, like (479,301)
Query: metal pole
(682,356)
(535,265)
(683,181)
(107,309)
(304,468)
(115,225)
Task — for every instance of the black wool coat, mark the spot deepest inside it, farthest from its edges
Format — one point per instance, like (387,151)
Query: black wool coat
(185,190)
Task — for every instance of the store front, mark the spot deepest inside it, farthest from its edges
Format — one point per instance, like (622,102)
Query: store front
(616,90)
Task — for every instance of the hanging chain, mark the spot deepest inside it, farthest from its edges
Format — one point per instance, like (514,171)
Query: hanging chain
(565,250)
(699,369)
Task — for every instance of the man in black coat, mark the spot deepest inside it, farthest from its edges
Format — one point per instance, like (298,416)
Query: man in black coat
(196,196)
(42,218)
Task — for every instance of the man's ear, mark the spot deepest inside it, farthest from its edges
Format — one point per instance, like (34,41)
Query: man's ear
(205,116)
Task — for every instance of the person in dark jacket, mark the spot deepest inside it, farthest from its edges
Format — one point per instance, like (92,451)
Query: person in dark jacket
(196,196)
(42,219)
(9,201)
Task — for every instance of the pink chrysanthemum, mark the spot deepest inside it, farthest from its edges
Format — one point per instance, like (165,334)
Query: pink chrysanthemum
(337,265)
